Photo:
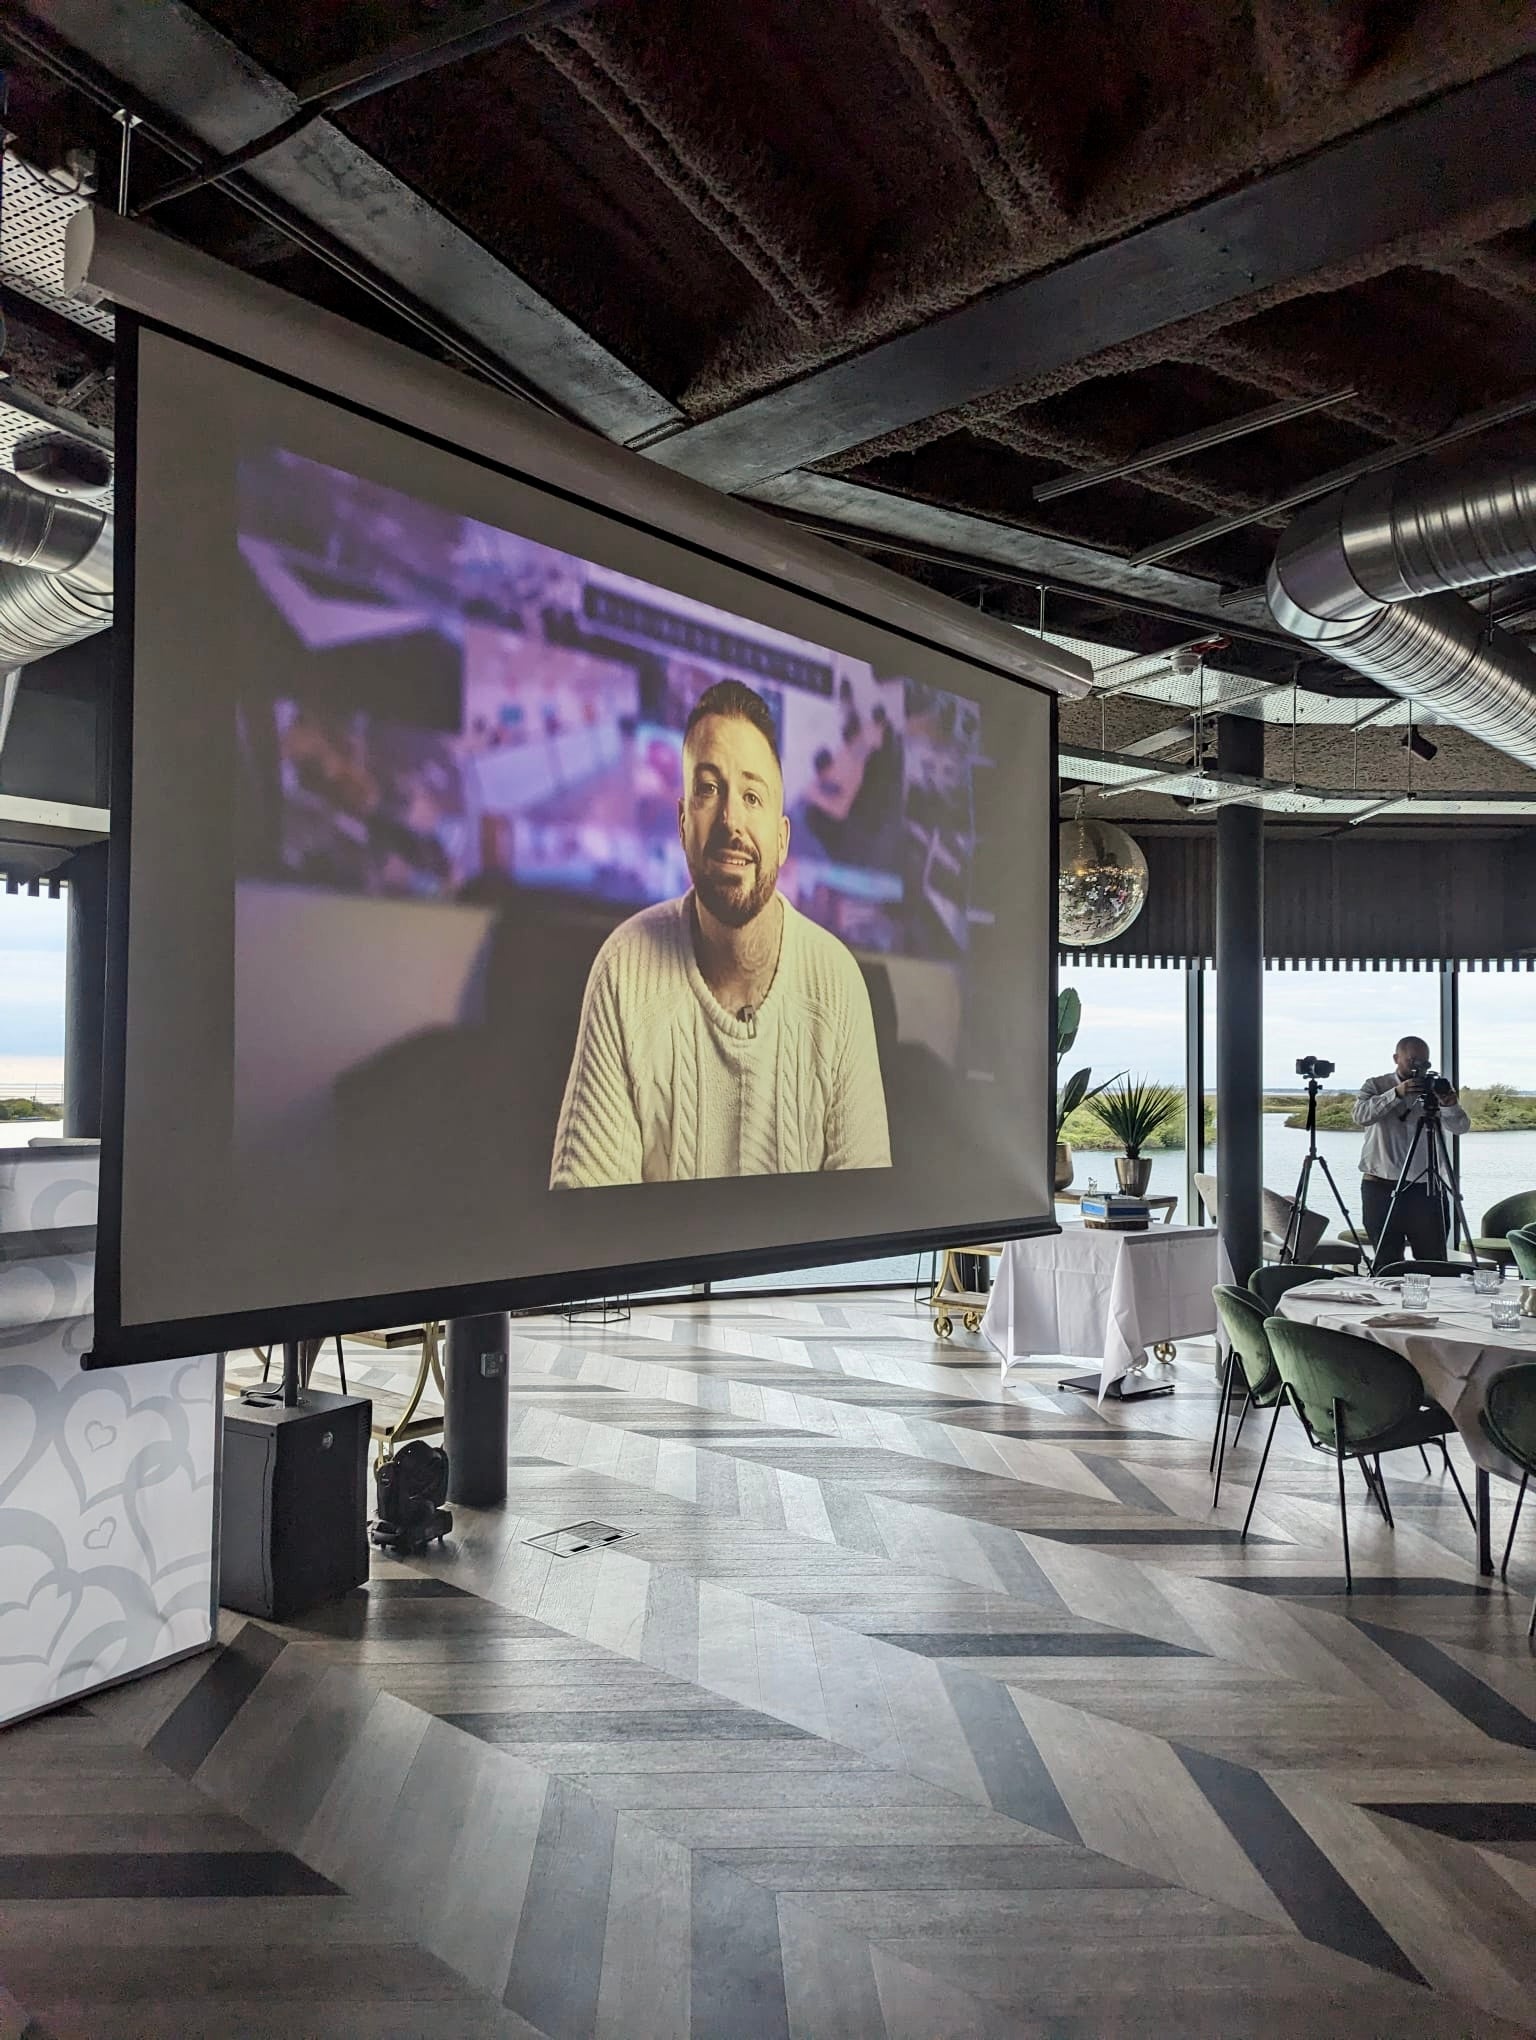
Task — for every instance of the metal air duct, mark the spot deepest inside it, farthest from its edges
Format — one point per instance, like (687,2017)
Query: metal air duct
(55,572)
(1365,576)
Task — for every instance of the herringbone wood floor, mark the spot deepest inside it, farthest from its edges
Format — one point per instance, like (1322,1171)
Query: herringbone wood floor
(905,1707)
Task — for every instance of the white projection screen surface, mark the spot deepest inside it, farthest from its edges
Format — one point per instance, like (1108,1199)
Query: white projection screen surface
(524,905)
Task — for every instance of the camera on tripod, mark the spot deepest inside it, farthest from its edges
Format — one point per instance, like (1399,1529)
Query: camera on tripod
(1434,1087)
(1314,1068)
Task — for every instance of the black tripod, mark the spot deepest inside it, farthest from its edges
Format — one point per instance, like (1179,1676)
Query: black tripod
(1439,1177)
(1291,1250)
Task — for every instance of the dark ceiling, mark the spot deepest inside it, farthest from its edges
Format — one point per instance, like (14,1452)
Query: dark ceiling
(891,264)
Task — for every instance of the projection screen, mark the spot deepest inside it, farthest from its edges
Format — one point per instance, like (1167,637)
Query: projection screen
(518,901)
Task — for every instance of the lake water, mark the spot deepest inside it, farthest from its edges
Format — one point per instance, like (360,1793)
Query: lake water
(1493,1165)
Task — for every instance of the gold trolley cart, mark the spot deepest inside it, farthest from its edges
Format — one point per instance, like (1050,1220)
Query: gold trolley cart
(950,1300)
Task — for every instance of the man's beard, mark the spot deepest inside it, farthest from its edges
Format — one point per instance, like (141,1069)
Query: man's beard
(733,905)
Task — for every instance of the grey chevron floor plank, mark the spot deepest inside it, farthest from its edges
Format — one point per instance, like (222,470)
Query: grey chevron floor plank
(908,1706)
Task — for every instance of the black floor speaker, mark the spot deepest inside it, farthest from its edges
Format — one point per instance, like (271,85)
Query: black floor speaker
(294,1522)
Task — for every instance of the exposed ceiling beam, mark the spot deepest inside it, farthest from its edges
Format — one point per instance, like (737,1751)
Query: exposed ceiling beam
(1100,772)
(1489,419)
(1189,442)
(457,36)
(50,821)
(903,526)
(412,57)
(169,61)
(1182,732)
(1412,174)
(14,398)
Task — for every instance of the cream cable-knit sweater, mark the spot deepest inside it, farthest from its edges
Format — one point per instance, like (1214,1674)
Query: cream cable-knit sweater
(667,1085)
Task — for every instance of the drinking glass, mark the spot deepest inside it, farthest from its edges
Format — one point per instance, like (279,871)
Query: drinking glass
(1505,1314)
(1486,1280)
(1415,1291)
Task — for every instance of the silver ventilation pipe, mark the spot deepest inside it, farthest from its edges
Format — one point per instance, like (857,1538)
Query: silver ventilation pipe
(55,572)
(1366,576)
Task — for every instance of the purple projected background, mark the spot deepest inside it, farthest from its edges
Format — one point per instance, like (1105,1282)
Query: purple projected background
(478,709)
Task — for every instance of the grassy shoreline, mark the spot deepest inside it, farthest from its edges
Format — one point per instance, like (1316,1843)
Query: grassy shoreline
(28,1108)
(1492,1108)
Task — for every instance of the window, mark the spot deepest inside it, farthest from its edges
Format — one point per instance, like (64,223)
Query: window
(1353,1019)
(1498,1080)
(1133,1022)
(31,1016)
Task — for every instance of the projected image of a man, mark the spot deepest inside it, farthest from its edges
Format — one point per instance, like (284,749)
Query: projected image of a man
(723,1033)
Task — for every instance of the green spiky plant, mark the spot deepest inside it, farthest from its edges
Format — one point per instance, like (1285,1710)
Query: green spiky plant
(1135,1109)
(1075,1091)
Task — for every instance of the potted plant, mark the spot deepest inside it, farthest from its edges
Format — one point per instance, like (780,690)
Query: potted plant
(1135,1111)
(1075,1091)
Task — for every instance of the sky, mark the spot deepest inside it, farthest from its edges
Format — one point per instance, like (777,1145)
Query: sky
(31,993)
(1134,1019)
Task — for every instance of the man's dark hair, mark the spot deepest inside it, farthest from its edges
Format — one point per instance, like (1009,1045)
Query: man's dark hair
(731,697)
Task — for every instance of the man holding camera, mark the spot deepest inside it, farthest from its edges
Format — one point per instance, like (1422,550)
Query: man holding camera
(1391,1108)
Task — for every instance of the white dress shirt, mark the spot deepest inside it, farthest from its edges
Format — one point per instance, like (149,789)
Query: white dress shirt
(1390,1123)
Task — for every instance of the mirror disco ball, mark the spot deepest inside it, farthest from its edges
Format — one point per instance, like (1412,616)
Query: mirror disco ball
(1103,884)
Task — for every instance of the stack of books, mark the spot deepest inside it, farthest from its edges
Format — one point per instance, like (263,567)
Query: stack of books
(1112,1211)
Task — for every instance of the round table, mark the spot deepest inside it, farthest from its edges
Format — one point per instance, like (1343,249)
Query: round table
(1455,1358)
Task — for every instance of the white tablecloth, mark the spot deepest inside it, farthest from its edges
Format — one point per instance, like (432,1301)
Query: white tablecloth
(1456,1358)
(1101,1295)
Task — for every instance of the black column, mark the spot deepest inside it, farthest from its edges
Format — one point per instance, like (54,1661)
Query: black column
(475,1408)
(1240,1004)
(85,988)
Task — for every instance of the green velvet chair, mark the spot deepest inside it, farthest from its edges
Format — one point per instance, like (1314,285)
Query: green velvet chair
(1270,1283)
(1356,1400)
(1522,1244)
(1242,1319)
(1509,1418)
(1500,1220)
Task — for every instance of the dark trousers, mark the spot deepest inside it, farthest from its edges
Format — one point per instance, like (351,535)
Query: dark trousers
(1418,1222)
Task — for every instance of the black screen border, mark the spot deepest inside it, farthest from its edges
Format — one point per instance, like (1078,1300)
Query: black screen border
(116,1344)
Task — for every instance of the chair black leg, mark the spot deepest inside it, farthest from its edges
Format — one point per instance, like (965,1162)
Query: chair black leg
(1465,1504)
(1221,1410)
(1514,1524)
(1425,1457)
(1371,1488)
(341,1364)
(1263,1462)
(1455,1476)
(1218,1436)
(1338,1447)
(1530,1627)
(1242,1418)
(1381,1494)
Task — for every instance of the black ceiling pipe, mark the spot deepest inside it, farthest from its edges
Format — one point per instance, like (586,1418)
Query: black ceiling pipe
(1240,1005)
